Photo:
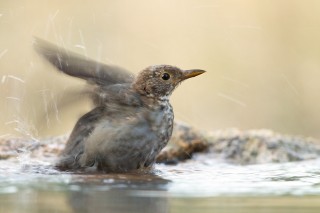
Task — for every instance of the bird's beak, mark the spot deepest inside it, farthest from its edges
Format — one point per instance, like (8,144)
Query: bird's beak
(192,73)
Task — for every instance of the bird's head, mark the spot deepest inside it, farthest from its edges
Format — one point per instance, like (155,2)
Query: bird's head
(159,81)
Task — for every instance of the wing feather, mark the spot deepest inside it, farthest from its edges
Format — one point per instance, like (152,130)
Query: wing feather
(76,65)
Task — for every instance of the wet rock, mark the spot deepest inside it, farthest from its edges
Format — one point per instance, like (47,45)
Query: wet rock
(261,146)
(231,145)
(13,147)
(184,142)
(239,147)
(10,147)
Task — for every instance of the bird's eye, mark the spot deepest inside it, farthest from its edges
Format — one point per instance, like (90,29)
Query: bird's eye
(165,76)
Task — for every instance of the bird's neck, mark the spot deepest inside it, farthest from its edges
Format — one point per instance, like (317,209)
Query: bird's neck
(156,102)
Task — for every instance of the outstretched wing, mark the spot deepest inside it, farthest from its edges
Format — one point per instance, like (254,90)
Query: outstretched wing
(78,66)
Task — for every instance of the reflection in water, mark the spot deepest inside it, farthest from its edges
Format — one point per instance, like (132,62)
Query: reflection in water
(116,201)
(116,193)
(37,187)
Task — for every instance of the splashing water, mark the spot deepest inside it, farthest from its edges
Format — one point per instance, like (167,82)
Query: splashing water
(28,184)
(201,177)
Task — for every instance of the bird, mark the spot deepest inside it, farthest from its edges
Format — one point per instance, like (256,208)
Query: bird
(132,118)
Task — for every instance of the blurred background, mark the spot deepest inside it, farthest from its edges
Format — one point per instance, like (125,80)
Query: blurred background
(262,60)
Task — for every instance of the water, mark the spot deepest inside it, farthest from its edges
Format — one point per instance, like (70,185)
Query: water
(202,184)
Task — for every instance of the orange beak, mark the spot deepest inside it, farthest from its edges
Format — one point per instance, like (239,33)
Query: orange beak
(191,73)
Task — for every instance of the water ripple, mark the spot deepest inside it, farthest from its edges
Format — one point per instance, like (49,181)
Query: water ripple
(193,178)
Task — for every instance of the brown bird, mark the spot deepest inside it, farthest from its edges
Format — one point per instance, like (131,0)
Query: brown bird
(132,119)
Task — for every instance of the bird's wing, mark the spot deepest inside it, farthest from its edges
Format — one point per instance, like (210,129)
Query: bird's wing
(75,144)
(120,144)
(78,66)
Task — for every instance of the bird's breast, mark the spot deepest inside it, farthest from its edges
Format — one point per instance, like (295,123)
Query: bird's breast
(162,123)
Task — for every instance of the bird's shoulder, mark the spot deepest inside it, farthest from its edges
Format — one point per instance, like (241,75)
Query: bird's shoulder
(116,94)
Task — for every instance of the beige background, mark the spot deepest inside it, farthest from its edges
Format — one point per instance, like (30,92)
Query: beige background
(262,58)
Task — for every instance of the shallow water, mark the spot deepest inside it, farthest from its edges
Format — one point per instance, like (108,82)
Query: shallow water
(202,184)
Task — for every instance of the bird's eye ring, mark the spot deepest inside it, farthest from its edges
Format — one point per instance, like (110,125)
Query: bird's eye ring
(165,76)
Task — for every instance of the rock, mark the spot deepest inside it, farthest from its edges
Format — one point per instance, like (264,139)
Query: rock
(184,142)
(13,147)
(231,145)
(261,146)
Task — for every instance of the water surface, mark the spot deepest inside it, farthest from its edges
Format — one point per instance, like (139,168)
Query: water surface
(202,184)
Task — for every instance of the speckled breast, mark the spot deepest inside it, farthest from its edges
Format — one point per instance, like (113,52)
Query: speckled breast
(162,126)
